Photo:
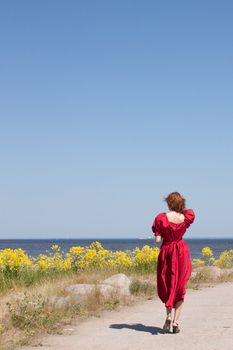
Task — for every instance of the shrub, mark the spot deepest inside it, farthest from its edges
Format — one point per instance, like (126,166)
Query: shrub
(225,259)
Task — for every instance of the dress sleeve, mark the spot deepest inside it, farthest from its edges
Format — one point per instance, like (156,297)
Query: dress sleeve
(157,226)
(189,216)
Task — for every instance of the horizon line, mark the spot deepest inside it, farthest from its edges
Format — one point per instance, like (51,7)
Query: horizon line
(116,238)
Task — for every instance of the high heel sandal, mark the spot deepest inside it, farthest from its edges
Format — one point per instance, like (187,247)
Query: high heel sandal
(176,328)
(167,326)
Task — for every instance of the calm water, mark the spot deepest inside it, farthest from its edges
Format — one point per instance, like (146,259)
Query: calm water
(34,247)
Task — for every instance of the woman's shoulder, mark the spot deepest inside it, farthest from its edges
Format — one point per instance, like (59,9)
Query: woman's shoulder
(158,224)
(160,217)
(189,215)
(188,212)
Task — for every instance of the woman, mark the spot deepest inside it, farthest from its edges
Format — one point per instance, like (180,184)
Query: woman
(174,263)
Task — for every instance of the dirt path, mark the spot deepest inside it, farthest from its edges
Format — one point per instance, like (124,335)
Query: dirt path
(206,324)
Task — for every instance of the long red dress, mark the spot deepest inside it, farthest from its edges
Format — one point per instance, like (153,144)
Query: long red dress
(174,263)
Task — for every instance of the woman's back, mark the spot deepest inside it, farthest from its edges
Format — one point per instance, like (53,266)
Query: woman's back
(175,217)
(172,226)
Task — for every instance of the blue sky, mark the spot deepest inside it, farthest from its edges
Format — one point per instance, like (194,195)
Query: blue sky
(106,107)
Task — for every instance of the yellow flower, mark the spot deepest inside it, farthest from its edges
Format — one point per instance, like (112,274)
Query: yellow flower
(206,251)
(67,263)
(96,245)
(207,254)
(198,262)
(76,250)
(56,247)
(14,259)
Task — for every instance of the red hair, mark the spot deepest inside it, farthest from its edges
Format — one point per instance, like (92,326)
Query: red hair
(175,202)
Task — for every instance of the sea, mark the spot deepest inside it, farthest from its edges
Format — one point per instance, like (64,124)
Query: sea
(35,247)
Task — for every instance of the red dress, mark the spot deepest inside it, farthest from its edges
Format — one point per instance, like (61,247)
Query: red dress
(174,263)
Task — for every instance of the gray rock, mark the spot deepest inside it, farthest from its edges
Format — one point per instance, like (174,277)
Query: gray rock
(63,302)
(121,282)
(80,288)
(215,271)
(106,290)
(80,291)
(116,285)
(59,302)
(218,272)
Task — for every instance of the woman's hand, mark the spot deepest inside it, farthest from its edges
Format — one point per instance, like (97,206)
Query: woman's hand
(157,239)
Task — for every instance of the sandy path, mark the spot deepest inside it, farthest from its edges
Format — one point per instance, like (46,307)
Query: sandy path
(206,324)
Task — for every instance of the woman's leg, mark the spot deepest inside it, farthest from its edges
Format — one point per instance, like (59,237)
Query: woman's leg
(168,320)
(178,309)
(169,313)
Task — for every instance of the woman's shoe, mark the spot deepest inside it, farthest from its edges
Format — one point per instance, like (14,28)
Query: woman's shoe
(167,326)
(176,328)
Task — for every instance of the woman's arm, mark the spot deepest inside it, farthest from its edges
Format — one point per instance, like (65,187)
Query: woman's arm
(156,228)
(157,239)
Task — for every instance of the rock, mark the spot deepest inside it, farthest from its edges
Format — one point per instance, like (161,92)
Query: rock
(116,285)
(59,302)
(106,290)
(215,271)
(63,302)
(81,291)
(218,272)
(80,288)
(121,282)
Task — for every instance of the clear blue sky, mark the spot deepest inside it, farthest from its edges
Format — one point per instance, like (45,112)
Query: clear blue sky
(106,107)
